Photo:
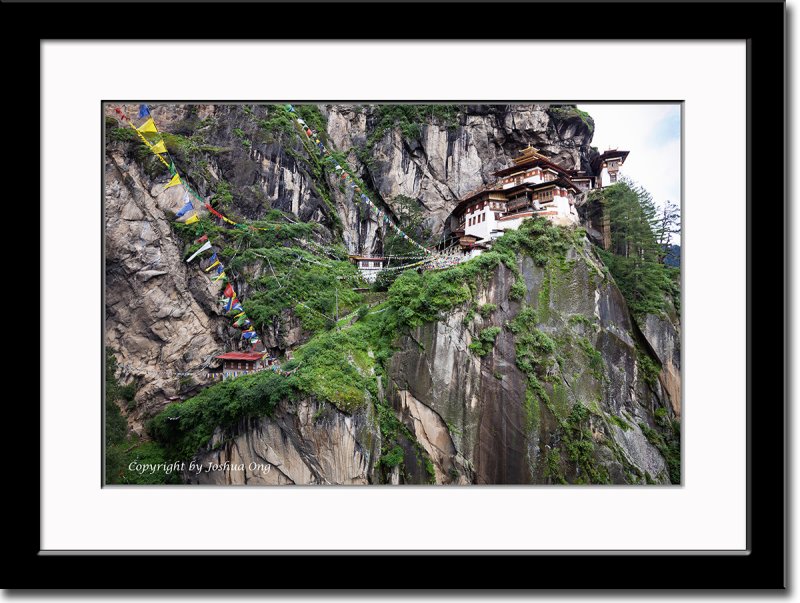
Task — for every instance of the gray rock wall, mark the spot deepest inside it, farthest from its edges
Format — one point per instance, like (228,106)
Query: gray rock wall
(498,437)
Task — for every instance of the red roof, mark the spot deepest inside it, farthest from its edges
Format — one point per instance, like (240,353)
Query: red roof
(251,356)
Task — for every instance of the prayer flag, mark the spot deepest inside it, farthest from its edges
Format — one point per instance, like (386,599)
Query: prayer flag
(175,181)
(229,291)
(159,147)
(216,263)
(214,211)
(143,111)
(206,246)
(192,219)
(186,208)
(202,239)
(148,126)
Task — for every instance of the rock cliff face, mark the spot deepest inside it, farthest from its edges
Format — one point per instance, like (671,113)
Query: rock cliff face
(663,335)
(161,319)
(305,443)
(437,167)
(479,419)
(443,163)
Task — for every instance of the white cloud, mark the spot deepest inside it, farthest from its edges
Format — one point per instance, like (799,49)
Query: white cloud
(651,132)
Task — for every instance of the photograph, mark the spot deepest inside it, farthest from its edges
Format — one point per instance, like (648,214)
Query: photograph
(339,293)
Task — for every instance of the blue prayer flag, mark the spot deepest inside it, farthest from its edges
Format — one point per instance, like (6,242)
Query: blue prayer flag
(184,209)
(143,111)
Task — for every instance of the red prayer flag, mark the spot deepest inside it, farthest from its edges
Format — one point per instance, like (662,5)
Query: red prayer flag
(202,239)
(214,211)
(229,291)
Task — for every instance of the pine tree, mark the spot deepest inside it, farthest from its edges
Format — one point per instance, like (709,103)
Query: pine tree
(667,225)
(636,255)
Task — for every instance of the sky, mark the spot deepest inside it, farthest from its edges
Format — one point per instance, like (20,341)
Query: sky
(652,134)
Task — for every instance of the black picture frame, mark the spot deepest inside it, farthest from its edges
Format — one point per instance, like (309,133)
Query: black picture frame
(762,566)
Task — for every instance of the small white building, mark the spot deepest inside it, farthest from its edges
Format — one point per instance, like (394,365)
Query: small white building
(369,266)
(607,166)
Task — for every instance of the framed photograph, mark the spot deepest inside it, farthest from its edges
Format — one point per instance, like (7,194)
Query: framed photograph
(415,297)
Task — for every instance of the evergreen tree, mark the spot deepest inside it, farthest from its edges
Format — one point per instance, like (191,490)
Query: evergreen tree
(635,258)
(667,226)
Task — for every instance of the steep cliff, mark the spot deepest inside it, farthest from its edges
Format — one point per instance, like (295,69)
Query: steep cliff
(248,160)
(562,393)
(161,319)
(308,442)
(531,371)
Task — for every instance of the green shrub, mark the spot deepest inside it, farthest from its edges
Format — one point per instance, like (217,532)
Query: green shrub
(485,341)
(486,309)
(122,134)
(185,427)
(518,289)
(619,422)
(669,445)
(392,458)
(409,118)
(594,358)
(648,367)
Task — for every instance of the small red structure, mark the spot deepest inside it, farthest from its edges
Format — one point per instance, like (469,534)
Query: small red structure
(241,363)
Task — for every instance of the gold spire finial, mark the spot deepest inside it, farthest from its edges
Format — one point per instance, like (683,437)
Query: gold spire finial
(527,153)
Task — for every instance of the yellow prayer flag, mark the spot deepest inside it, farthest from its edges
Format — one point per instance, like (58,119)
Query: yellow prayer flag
(212,265)
(148,126)
(192,220)
(176,180)
(159,147)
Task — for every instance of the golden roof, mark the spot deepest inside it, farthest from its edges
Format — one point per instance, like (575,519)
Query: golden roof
(527,154)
